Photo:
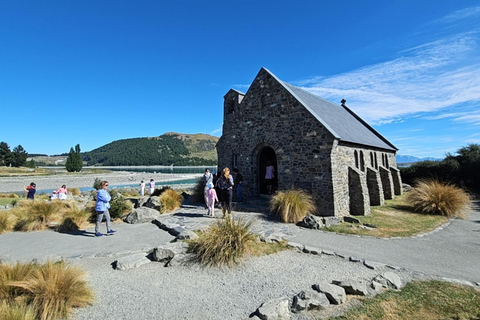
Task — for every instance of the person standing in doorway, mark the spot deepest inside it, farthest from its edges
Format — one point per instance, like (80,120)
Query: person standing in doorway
(208,179)
(142,188)
(152,186)
(30,190)
(237,180)
(225,183)
(269,175)
(101,207)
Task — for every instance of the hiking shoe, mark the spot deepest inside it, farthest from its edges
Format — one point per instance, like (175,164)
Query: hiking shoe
(111,231)
(98,234)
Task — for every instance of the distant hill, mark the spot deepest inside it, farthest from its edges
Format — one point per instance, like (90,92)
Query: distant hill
(410,159)
(168,149)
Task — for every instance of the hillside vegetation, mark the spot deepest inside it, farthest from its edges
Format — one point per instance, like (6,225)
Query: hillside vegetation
(168,149)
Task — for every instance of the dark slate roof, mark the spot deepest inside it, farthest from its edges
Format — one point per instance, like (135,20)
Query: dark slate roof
(342,122)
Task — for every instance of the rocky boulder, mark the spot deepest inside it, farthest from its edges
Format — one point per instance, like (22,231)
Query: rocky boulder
(141,215)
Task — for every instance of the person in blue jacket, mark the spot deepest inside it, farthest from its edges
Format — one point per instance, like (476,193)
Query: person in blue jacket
(102,206)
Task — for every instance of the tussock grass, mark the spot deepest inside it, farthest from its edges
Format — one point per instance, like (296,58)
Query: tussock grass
(35,215)
(74,191)
(73,219)
(7,221)
(225,243)
(9,195)
(292,205)
(439,198)
(16,311)
(171,200)
(420,300)
(51,289)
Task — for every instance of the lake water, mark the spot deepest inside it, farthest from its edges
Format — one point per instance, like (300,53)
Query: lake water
(159,169)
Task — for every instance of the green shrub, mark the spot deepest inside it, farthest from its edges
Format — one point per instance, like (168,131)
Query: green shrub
(292,205)
(224,243)
(198,192)
(96,183)
(434,197)
(170,200)
(118,205)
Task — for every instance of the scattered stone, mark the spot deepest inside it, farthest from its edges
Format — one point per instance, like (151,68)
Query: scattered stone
(142,215)
(373,265)
(365,227)
(312,250)
(296,245)
(376,286)
(370,225)
(161,254)
(179,260)
(331,221)
(311,222)
(328,253)
(335,294)
(187,234)
(389,280)
(350,219)
(154,203)
(132,261)
(355,287)
(276,309)
(355,259)
(406,187)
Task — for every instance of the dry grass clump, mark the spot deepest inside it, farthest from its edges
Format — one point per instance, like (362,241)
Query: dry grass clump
(438,198)
(74,191)
(171,200)
(35,215)
(9,195)
(198,192)
(224,243)
(292,205)
(51,289)
(16,311)
(73,219)
(7,221)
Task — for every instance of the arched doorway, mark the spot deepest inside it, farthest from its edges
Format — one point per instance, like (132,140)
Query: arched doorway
(265,155)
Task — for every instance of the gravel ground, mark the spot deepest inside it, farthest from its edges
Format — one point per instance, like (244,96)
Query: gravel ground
(15,184)
(192,292)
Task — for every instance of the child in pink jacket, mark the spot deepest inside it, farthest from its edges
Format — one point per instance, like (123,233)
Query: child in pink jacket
(211,198)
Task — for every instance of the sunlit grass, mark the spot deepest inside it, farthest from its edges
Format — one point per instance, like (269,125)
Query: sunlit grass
(420,300)
(395,219)
(292,205)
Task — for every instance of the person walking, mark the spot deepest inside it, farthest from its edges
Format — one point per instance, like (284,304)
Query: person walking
(152,186)
(211,198)
(225,183)
(62,193)
(30,190)
(142,188)
(101,207)
(208,179)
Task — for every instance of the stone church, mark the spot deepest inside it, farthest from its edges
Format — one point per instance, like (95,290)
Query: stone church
(313,144)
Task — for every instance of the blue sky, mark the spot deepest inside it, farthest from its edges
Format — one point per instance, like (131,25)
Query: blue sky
(91,72)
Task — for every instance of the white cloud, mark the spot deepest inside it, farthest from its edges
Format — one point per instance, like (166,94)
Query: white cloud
(459,15)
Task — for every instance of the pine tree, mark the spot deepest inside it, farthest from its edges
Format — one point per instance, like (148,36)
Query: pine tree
(19,156)
(70,163)
(5,154)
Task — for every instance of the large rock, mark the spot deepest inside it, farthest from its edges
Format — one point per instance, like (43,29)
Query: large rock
(162,255)
(331,221)
(389,280)
(354,287)
(310,300)
(154,203)
(276,309)
(132,261)
(311,222)
(141,215)
(335,294)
